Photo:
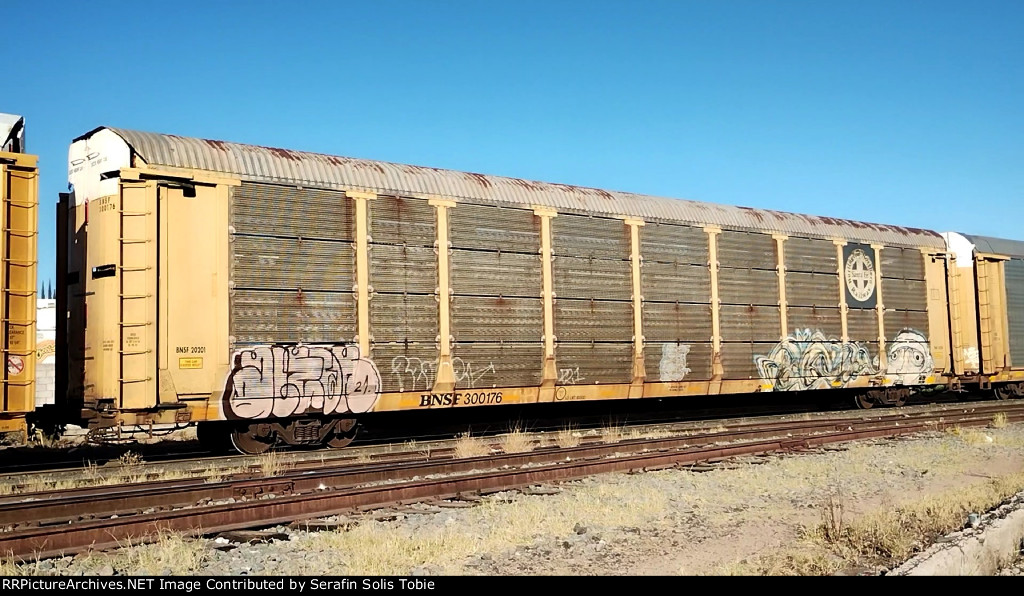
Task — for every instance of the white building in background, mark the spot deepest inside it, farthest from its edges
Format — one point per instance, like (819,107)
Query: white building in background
(46,350)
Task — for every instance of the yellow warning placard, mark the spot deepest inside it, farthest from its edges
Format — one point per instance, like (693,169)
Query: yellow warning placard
(190,363)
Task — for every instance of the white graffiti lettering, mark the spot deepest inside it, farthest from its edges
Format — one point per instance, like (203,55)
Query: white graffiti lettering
(420,374)
(286,380)
(569,376)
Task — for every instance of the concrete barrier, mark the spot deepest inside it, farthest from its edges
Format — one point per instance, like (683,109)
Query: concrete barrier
(974,551)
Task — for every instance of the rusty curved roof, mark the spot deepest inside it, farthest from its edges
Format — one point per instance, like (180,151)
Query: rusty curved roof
(268,164)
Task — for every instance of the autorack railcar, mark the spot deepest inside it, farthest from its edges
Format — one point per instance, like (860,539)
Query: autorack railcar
(19,193)
(276,295)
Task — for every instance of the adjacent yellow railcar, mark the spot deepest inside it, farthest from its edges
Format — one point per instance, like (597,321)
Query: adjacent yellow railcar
(19,192)
(275,295)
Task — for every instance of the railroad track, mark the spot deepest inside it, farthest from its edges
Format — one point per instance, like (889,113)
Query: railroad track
(64,522)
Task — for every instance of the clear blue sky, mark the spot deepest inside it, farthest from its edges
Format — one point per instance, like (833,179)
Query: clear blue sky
(902,112)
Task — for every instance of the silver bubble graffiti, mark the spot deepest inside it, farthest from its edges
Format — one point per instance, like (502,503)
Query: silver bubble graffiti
(808,359)
(286,380)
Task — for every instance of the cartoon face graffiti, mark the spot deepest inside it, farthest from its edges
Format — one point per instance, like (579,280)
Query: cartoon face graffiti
(283,380)
(909,358)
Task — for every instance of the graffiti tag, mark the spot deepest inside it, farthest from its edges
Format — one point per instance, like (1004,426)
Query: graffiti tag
(285,380)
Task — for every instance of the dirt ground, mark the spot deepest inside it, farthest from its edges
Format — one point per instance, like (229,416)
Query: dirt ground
(727,519)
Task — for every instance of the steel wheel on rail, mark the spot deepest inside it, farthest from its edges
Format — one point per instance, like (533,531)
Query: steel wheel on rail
(1003,392)
(343,433)
(245,440)
(863,401)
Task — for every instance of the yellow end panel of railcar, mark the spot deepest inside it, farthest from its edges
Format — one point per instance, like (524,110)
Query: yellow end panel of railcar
(19,207)
(156,331)
(992,316)
(193,346)
(938,310)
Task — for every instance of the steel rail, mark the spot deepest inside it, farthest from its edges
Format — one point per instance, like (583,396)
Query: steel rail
(256,512)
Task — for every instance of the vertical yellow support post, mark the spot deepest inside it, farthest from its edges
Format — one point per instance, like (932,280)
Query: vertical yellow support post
(362,271)
(636,388)
(717,371)
(883,357)
(550,373)
(444,382)
(844,308)
(780,249)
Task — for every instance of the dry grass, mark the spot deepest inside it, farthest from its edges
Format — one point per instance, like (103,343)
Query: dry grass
(999,420)
(516,441)
(883,538)
(272,464)
(612,433)
(169,551)
(971,436)
(648,433)
(469,446)
(567,437)
(381,548)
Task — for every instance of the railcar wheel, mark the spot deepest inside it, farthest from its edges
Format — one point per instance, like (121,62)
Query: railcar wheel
(343,433)
(247,441)
(901,399)
(864,401)
(1003,392)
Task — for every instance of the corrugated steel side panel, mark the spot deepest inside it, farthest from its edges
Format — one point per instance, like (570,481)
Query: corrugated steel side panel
(489,228)
(810,256)
(397,220)
(487,319)
(588,363)
(750,323)
(739,359)
(396,268)
(667,322)
(598,320)
(665,243)
(484,273)
(397,317)
(288,287)
(902,263)
(1015,310)
(747,250)
(905,294)
(826,320)
(862,324)
(593,237)
(592,278)
(288,263)
(677,361)
(326,171)
(898,320)
(480,365)
(669,282)
(812,289)
(748,286)
(405,367)
(277,210)
(264,317)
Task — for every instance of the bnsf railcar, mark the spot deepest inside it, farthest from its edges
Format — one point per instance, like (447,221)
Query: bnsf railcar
(19,186)
(274,295)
